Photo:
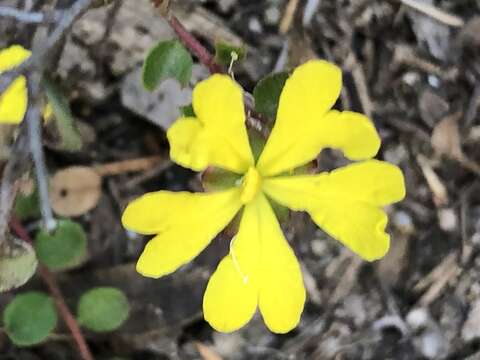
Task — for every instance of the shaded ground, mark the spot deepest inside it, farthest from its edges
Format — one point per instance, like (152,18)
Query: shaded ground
(417,77)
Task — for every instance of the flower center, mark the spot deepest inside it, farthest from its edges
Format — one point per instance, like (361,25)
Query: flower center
(250,185)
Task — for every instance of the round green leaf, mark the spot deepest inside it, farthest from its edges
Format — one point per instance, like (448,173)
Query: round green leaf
(103,309)
(17,264)
(30,318)
(168,59)
(65,248)
(267,94)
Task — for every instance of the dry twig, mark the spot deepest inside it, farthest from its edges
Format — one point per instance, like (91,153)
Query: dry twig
(435,13)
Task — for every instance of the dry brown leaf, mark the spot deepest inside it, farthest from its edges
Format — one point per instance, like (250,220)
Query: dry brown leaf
(206,352)
(75,190)
(445,138)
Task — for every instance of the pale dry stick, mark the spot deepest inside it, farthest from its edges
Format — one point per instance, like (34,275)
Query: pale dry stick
(30,17)
(439,190)
(309,11)
(360,81)
(288,16)
(405,55)
(56,293)
(147,175)
(435,13)
(437,287)
(436,273)
(347,281)
(124,166)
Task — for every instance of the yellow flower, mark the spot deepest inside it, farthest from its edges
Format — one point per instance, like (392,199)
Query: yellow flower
(13,102)
(261,269)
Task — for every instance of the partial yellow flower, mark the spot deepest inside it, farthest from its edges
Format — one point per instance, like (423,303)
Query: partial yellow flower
(261,270)
(13,102)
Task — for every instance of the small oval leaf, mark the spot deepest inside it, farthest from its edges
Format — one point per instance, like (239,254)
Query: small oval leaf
(267,94)
(168,59)
(17,264)
(30,318)
(65,248)
(103,309)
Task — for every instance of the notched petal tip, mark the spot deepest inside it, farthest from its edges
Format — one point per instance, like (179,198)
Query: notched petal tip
(357,136)
(229,303)
(147,264)
(380,245)
(187,147)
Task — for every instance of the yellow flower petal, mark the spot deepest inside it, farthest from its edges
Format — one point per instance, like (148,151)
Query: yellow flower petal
(12,57)
(219,136)
(308,94)
(13,102)
(186,223)
(305,125)
(346,202)
(281,290)
(229,302)
(232,292)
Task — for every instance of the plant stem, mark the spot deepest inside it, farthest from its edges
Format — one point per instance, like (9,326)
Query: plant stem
(57,295)
(33,118)
(203,55)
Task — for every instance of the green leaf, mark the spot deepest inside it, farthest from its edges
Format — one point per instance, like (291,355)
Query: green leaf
(27,206)
(267,94)
(65,248)
(17,264)
(69,135)
(225,53)
(168,59)
(30,318)
(216,179)
(103,309)
(187,111)
(257,143)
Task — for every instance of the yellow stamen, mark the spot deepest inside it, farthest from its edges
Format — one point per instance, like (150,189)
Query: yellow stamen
(251,185)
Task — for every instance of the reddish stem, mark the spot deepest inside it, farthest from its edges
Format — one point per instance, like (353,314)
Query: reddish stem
(194,45)
(56,293)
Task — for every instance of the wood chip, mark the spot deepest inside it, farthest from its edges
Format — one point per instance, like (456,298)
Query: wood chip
(75,190)
(439,191)
(206,352)
(288,16)
(446,137)
(435,13)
